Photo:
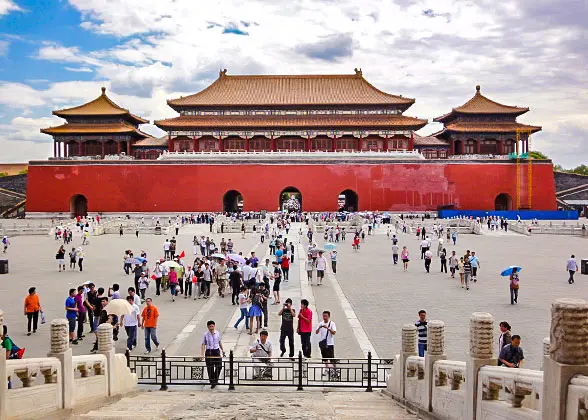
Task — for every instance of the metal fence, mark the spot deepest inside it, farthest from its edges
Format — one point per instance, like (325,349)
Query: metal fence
(166,370)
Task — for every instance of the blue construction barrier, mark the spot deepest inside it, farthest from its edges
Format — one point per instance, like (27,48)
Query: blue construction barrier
(512,215)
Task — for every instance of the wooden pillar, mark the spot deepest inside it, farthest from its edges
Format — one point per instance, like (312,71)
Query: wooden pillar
(411,142)
(118,147)
(500,147)
(221,145)
(334,147)
(102,152)
(360,143)
(478,146)
(246,143)
(195,140)
(385,148)
(272,143)
(169,142)
(462,147)
(128,148)
(308,144)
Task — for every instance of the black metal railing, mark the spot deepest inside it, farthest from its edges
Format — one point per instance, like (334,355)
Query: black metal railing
(164,370)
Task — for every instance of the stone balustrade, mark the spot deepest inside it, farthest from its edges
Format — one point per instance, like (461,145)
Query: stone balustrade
(43,387)
(478,389)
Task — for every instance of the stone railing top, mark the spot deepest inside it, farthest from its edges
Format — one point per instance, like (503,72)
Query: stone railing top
(533,378)
(579,380)
(33,365)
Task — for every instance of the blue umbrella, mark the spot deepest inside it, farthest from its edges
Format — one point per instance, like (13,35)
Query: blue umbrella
(141,259)
(329,246)
(132,261)
(508,271)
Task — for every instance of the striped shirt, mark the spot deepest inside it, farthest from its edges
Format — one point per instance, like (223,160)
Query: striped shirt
(467,267)
(422,330)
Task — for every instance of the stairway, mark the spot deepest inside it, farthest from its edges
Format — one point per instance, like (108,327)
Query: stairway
(252,403)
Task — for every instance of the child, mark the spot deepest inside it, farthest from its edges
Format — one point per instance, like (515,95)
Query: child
(72,259)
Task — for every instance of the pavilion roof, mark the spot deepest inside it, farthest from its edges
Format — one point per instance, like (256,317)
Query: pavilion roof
(487,127)
(152,141)
(101,106)
(292,121)
(480,104)
(115,128)
(428,141)
(275,90)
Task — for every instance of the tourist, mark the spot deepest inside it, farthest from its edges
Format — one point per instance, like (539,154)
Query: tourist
(166,246)
(514,286)
(309,266)
(211,349)
(243,307)
(460,268)
(327,330)
(404,257)
(72,259)
(475,262)
(235,283)
(196,243)
(60,257)
(504,338)
(80,255)
(333,254)
(395,253)
(120,230)
(467,271)
(71,313)
(572,267)
(454,236)
(511,354)
(130,323)
(91,307)
(207,276)
(5,243)
(277,276)
(443,258)
(158,273)
(149,324)
(32,307)
(137,272)
(221,277)
(143,285)
(81,313)
(424,247)
(255,311)
(265,295)
(421,325)
(12,350)
(285,266)
(305,328)
(287,327)
(173,282)
(321,265)
(428,259)
(261,352)
(453,264)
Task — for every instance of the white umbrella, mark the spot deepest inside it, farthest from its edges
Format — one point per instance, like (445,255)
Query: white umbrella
(118,307)
(170,264)
(218,255)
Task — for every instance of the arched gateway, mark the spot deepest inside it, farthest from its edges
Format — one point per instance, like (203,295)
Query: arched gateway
(348,201)
(232,202)
(291,199)
(503,201)
(78,205)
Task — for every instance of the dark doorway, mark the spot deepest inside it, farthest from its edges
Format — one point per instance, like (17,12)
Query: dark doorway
(78,205)
(348,201)
(457,147)
(232,202)
(291,200)
(503,202)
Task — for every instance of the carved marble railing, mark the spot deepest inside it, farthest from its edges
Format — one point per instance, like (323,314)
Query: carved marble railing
(415,385)
(509,393)
(35,386)
(448,389)
(90,377)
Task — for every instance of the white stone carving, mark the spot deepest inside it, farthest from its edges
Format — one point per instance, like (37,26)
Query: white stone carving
(569,331)
(436,338)
(409,338)
(481,335)
(105,342)
(59,336)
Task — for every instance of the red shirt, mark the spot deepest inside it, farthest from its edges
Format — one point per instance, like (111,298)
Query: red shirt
(305,326)
(285,262)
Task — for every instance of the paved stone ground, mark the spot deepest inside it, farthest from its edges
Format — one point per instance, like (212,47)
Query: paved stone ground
(254,404)
(382,297)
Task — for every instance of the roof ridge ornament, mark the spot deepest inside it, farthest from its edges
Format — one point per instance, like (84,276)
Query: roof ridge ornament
(222,72)
(103,90)
(358,72)
(477,89)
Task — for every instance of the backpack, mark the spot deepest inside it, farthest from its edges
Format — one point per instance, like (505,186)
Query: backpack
(16,352)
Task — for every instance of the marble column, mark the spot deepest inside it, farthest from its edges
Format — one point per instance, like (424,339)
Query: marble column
(409,348)
(568,354)
(60,349)
(435,351)
(481,342)
(106,347)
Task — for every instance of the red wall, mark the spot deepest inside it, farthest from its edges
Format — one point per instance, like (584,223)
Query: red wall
(180,187)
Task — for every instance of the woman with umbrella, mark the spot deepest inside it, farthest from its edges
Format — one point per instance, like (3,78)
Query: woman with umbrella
(513,273)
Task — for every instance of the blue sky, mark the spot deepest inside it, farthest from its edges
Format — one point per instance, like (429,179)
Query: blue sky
(55,54)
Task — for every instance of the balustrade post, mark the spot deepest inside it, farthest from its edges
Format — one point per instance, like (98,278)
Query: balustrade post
(481,342)
(435,351)
(60,349)
(106,347)
(231,379)
(568,354)
(369,378)
(546,344)
(300,388)
(163,386)
(409,348)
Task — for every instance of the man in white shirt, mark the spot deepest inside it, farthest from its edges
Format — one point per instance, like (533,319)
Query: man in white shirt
(424,248)
(130,323)
(327,330)
(166,245)
(211,349)
(321,265)
(261,352)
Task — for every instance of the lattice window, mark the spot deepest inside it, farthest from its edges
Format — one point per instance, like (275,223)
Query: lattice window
(371,144)
(110,148)
(470,147)
(183,145)
(347,143)
(93,148)
(324,144)
(209,145)
(234,144)
(291,144)
(397,144)
(260,144)
(509,146)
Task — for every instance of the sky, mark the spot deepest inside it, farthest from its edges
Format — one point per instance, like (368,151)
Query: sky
(56,54)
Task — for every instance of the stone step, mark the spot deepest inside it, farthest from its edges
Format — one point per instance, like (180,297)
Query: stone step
(253,403)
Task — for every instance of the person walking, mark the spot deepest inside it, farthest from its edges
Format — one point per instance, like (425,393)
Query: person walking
(173,282)
(428,259)
(81,313)
(71,313)
(511,354)
(261,353)
(207,280)
(149,318)
(327,330)
(404,257)
(130,322)
(277,276)
(60,257)
(158,273)
(285,265)
(309,266)
(475,262)
(460,268)
(421,325)
(453,263)
(73,259)
(221,275)
(211,350)
(333,254)
(235,282)
(572,268)
(32,307)
(467,271)
(394,253)
(305,328)
(255,311)
(443,259)
(243,307)
(5,244)
(514,286)
(321,265)
(287,327)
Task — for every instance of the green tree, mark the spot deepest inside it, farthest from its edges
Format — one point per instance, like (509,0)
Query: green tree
(535,154)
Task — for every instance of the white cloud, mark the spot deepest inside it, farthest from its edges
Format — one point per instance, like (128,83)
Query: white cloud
(4,47)
(7,6)
(433,50)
